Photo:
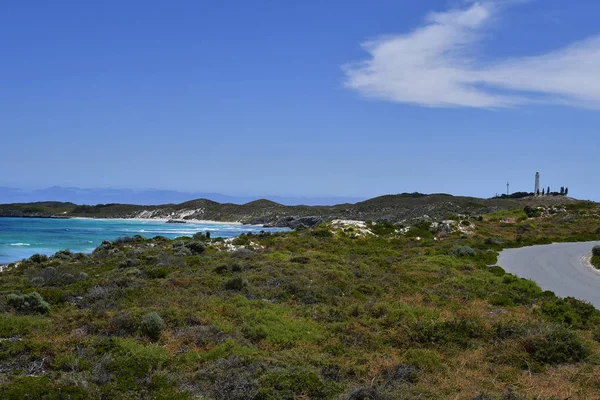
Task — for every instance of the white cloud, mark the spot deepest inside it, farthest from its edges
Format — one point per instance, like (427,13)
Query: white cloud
(436,65)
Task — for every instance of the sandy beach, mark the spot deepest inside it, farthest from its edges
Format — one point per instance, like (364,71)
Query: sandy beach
(165,220)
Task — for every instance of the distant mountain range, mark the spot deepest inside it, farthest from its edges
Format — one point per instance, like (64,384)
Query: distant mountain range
(148,197)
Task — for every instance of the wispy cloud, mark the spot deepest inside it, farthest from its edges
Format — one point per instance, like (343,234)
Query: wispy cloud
(438,65)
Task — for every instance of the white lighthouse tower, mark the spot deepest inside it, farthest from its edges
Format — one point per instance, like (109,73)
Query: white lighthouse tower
(536,192)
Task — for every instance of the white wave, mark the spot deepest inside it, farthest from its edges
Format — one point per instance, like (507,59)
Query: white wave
(20,244)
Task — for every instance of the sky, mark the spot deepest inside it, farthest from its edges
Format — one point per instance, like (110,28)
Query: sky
(311,98)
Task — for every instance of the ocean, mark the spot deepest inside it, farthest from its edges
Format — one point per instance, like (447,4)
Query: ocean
(22,237)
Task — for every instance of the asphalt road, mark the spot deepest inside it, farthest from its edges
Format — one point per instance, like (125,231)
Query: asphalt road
(557,267)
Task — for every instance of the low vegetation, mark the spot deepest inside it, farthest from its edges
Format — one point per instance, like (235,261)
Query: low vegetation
(313,314)
(596,257)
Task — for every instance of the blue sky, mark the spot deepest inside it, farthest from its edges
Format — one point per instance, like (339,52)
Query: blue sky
(312,98)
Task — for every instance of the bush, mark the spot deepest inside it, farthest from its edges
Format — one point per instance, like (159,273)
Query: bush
(231,378)
(236,284)
(38,258)
(123,324)
(294,383)
(242,253)
(203,237)
(494,242)
(570,311)
(455,332)
(596,334)
(381,227)
(63,255)
(532,212)
(462,251)
(31,303)
(158,273)
(106,245)
(557,345)
(196,247)
(182,251)
(130,262)
(152,325)
(596,251)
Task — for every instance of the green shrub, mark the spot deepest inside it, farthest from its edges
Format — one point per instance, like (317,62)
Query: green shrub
(596,334)
(294,383)
(130,262)
(532,212)
(31,303)
(38,258)
(596,251)
(158,273)
(556,345)
(421,229)
(133,363)
(381,227)
(571,311)
(152,325)
(462,251)
(105,246)
(453,332)
(203,237)
(236,283)
(196,247)
(63,255)
(488,257)
(39,387)
(494,242)
(182,251)
(519,290)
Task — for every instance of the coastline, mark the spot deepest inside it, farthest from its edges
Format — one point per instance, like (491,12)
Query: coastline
(165,220)
(142,225)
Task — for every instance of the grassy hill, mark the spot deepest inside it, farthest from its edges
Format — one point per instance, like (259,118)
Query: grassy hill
(395,208)
(325,313)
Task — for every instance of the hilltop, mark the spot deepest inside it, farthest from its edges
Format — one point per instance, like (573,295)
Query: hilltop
(399,208)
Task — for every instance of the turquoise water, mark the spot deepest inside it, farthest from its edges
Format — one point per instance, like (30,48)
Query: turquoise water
(22,237)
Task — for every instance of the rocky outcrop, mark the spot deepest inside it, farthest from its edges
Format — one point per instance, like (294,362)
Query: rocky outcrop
(292,222)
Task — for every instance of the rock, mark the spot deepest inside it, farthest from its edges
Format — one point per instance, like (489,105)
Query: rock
(292,222)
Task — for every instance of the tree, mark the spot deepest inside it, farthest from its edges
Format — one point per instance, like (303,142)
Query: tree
(543,192)
(548,191)
(562,190)
(566,191)
(537,193)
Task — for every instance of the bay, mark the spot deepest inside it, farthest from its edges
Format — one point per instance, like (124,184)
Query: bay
(22,237)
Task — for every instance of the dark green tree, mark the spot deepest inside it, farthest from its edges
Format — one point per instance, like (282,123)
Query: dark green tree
(543,192)
(566,191)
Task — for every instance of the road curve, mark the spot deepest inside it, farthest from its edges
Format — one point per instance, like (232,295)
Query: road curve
(558,267)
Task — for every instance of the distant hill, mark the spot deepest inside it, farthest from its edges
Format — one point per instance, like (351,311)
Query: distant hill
(397,208)
(146,196)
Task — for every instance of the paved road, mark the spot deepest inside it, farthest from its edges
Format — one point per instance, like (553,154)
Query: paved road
(558,267)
